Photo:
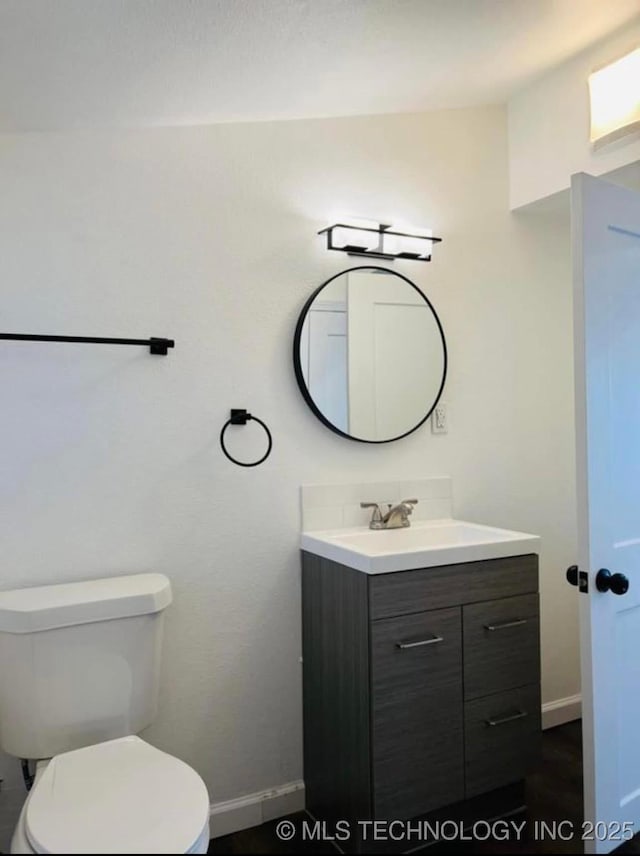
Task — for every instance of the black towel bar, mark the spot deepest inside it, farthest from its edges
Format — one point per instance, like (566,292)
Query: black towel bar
(155,344)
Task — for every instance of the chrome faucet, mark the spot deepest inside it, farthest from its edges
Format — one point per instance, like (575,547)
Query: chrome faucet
(397,516)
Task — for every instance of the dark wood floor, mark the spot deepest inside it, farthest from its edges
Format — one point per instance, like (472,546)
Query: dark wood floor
(554,793)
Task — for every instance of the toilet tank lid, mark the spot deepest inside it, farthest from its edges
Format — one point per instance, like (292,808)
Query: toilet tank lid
(30,610)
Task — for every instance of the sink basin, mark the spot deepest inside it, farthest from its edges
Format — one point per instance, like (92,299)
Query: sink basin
(424,544)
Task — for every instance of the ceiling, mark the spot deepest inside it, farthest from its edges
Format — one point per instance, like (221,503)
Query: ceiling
(96,63)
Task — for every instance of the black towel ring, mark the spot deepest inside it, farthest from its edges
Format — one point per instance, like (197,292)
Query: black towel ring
(241,417)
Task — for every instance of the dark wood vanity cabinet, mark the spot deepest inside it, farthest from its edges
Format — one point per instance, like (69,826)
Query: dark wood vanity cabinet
(421,688)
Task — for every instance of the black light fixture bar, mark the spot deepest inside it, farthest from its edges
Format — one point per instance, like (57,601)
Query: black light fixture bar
(378,252)
(155,345)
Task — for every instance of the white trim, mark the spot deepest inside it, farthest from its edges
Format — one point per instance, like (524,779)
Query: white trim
(561,710)
(254,809)
(329,306)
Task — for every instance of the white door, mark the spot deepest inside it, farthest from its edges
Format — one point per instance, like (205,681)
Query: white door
(324,360)
(606,259)
(395,356)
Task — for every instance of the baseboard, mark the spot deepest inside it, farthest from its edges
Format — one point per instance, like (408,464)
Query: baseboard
(561,710)
(255,809)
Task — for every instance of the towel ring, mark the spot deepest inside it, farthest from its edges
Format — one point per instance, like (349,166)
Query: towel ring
(241,417)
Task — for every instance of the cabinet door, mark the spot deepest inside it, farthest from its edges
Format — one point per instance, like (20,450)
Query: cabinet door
(416,676)
(501,645)
(502,738)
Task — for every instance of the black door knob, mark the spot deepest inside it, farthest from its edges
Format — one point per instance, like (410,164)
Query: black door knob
(572,575)
(606,581)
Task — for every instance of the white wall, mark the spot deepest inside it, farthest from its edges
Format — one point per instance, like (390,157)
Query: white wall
(549,126)
(110,461)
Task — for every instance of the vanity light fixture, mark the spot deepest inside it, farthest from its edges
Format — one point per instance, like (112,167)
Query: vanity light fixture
(400,238)
(380,241)
(614,93)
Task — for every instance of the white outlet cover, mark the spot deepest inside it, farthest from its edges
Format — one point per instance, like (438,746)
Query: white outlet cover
(439,419)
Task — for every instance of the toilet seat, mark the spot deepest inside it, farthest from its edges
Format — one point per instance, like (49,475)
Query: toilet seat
(122,796)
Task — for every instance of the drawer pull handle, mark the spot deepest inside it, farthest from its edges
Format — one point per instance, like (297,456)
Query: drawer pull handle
(433,640)
(503,626)
(504,719)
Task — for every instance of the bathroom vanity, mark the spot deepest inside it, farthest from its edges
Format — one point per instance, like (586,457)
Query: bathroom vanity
(422,684)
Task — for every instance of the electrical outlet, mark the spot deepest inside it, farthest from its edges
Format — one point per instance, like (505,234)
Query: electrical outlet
(439,419)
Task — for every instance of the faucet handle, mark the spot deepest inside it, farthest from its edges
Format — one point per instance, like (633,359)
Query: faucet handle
(376,517)
(409,502)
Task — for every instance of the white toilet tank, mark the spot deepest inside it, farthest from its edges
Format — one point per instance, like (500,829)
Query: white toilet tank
(79,662)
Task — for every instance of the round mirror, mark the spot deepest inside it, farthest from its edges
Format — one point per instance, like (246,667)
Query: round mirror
(370,355)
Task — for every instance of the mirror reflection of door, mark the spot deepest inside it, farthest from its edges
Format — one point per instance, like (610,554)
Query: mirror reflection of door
(391,344)
(324,360)
(370,354)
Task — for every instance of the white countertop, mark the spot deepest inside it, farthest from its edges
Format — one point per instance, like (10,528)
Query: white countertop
(424,544)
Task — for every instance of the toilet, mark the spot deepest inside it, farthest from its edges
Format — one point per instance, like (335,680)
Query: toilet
(79,671)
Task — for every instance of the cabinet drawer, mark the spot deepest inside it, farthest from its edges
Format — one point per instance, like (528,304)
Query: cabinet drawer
(503,739)
(501,645)
(414,654)
(434,588)
(417,716)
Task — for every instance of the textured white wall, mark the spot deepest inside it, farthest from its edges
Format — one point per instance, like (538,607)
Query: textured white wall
(549,125)
(109,458)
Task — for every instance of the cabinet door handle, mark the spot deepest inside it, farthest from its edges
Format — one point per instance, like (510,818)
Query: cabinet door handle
(432,640)
(504,624)
(504,719)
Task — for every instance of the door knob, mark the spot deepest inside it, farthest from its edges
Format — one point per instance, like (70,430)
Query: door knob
(606,581)
(572,575)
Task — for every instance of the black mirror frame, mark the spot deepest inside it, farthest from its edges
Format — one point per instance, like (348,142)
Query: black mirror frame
(298,367)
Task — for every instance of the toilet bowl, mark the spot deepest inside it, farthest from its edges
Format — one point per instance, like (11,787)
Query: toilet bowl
(120,796)
(80,675)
